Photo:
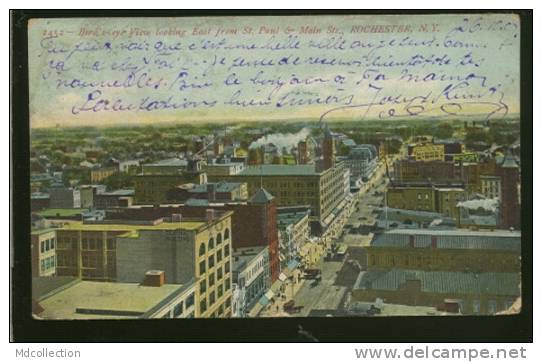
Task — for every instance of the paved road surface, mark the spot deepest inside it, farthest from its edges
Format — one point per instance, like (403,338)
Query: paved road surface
(324,295)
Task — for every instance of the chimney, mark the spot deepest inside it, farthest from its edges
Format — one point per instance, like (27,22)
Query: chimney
(433,241)
(154,278)
(210,215)
(411,240)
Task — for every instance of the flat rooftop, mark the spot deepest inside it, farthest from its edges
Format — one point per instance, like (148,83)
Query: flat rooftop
(60,212)
(219,187)
(458,232)
(450,239)
(286,218)
(242,256)
(105,300)
(120,192)
(169,162)
(360,308)
(279,170)
(442,282)
(183,225)
(42,231)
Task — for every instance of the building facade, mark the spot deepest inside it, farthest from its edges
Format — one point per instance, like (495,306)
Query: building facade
(297,185)
(64,197)
(250,277)
(362,162)
(480,270)
(446,250)
(212,191)
(293,233)
(426,152)
(203,254)
(490,186)
(43,246)
(427,197)
(152,189)
(99,174)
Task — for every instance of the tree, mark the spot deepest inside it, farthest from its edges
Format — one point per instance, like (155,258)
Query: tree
(475,136)
(118,181)
(444,130)
(344,150)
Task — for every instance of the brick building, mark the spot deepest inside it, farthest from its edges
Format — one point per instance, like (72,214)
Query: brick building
(446,250)
(427,197)
(508,171)
(293,185)
(478,270)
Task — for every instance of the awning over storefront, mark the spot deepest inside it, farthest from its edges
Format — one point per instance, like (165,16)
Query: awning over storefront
(264,300)
(275,287)
(269,294)
(293,264)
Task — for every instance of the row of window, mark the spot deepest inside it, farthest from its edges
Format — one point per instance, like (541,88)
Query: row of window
(284,184)
(211,242)
(210,262)
(86,244)
(219,275)
(47,263)
(203,305)
(297,193)
(179,308)
(255,269)
(46,245)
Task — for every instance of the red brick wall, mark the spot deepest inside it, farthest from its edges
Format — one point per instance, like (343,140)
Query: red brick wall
(510,209)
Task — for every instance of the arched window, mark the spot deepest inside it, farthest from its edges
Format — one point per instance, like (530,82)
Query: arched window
(202,249)
(226,234)
(218,239)
(211,243)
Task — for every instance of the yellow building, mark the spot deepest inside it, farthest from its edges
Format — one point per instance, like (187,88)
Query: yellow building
(427,152)
(447,199)
(420,198)
(184,249)
(100,174)
(43,252)
(427,198)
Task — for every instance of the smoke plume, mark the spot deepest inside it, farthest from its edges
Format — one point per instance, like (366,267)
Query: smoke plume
(281,140)
(486,204)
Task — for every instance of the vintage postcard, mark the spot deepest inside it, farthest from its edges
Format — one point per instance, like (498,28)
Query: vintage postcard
(275,166)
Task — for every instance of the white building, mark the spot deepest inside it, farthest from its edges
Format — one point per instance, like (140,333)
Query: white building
(251,278)
(362,162)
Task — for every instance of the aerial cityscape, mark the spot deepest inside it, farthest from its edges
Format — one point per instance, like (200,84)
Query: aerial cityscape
(276,219)
(275,166)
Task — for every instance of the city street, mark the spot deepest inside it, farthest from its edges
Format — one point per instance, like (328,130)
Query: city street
(323,295)
(331,291)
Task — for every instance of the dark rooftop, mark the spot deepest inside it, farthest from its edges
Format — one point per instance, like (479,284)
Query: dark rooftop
(450,239)
(442,282)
